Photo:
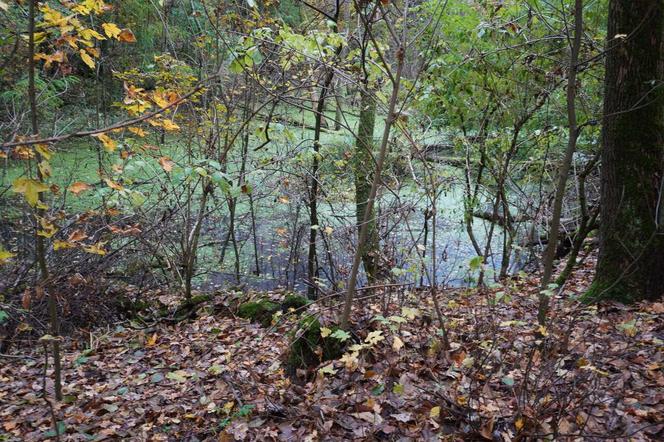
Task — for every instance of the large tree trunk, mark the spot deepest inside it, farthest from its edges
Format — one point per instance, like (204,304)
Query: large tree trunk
(631,253)
(363,166)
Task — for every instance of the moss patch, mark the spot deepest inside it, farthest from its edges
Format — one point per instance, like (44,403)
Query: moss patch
(308,348)
(600,290)
(258,311)
(293,301)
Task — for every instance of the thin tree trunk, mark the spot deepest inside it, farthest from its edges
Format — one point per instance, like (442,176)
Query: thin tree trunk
(552,244)
(40,246)
(389,120)
(362,167)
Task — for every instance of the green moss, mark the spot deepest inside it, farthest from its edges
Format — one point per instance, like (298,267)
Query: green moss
(258,311)
(617,291)
(308,348)
(294,301)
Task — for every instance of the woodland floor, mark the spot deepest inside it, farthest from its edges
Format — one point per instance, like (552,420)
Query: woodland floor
(596,373)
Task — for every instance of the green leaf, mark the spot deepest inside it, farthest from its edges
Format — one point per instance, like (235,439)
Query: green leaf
(216,369)
(178,376)
(378,389)
(476,263)
(341,335)
(235,67)
(59,430)
(156,378)
(508,381)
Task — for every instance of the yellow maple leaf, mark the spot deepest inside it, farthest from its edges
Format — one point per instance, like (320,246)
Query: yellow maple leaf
(374,337)
(170,125)
(108,142)
(30,189)
(138,131)
(350,360)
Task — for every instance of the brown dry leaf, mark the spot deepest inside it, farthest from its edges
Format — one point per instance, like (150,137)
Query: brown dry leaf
(166,163)
(78,187)
(112,184)
(77,235)
(127,36)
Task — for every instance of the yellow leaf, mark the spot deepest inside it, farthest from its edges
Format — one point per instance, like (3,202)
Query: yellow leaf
(48,229)
(410,313)
(87,59)
(170,125)
(374,337)
(350,360)
(283,199)
(328,369)
(159,99)
(111,30)
(127,36)
(325,332)
(30,189)
(4,6)
(138,131)
(152,340)
(5,255)
(89,34)
(397,344)
(44,151)
(44,168)
(52,17)
(519,424)
(108,142)
(434,413)
(96,249)
(69,39)
(113,185)
(57,57)
(328,230)
(228,407)
(60,245)
(166,164)
(79,187)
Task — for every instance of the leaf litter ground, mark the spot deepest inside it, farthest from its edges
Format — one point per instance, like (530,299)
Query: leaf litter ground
(595,373)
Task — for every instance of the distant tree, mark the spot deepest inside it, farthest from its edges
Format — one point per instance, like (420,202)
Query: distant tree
(632,182)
